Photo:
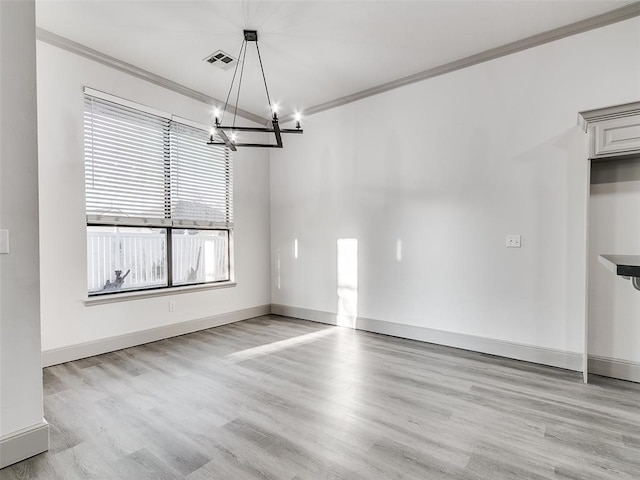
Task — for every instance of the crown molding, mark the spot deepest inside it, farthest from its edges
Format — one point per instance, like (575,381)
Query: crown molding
(627,12)
(100,57)
(614,16)
(607,113)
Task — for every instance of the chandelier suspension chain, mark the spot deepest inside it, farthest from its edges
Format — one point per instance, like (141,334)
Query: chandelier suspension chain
(235,111)
(233,80)
(265,80)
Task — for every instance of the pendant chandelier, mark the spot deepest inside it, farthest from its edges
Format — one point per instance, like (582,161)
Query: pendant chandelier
(228,133)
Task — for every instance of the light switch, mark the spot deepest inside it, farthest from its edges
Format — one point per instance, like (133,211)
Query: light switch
(4,241)
(513,241)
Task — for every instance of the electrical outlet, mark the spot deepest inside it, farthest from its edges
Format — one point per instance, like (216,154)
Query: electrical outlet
(172,305)
(513,241)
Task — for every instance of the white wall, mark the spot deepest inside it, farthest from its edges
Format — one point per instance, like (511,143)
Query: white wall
(20,372)
(614,228)
(66,321)
(447,167)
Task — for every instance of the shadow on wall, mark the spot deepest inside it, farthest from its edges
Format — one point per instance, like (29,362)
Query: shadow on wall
(559,167)
(615,171)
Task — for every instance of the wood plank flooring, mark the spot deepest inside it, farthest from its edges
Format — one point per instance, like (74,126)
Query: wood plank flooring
(277,398)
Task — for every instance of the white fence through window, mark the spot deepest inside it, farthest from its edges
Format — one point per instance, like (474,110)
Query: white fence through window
(200,256)
(139,255)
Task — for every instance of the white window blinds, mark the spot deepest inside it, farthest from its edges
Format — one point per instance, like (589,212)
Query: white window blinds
(126,152)
(145,169)
(201,190)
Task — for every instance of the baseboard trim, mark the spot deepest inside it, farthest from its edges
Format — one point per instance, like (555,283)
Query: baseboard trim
(614,368)
(56,356)
(501,348)
(24,443)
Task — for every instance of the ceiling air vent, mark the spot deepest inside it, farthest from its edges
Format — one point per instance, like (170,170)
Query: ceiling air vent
(221,59)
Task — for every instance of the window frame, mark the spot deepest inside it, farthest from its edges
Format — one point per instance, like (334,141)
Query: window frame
(169,225)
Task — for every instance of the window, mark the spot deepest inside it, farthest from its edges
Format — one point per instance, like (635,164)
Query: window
(158,200)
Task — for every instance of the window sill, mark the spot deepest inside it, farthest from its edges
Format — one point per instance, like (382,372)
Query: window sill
(125,296)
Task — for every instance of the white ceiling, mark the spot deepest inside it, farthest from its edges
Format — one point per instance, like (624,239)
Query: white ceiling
(313,51)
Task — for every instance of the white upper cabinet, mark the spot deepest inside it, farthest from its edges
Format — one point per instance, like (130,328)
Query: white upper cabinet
(613,131)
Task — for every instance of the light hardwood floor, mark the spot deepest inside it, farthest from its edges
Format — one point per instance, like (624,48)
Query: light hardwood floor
(277,398)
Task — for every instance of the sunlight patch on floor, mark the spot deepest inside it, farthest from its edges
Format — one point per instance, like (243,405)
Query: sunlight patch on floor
(279,345)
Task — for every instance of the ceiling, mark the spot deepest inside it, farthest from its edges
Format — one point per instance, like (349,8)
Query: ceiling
(313,51)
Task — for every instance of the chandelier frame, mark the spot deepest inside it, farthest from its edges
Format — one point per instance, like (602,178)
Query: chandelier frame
(228,132)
